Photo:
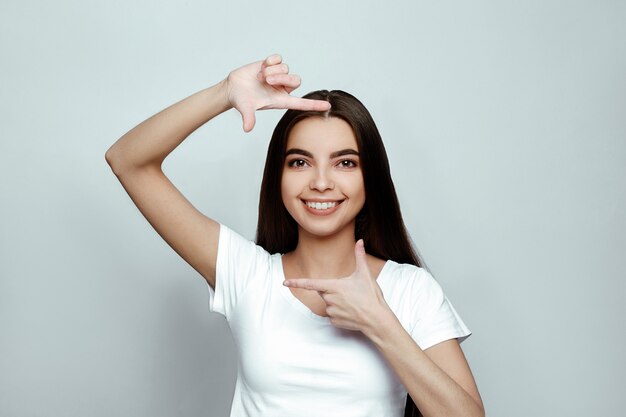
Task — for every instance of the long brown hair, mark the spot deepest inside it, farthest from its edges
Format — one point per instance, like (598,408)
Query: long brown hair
(379,223)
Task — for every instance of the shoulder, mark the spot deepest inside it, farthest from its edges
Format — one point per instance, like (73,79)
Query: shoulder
(229,237)
(235,249)
(410,283)
(420,303)
(408,273)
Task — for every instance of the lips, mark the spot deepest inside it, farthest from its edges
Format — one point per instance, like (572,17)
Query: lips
(322,207)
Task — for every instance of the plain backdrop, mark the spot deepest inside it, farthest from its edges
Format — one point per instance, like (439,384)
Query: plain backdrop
(505,126)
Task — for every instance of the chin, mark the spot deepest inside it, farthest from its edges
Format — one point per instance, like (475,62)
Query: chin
(324,231)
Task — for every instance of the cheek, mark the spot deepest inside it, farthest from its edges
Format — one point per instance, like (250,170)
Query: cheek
(356,186)
(287,188)
(360,193)
(288,196)
(291,183)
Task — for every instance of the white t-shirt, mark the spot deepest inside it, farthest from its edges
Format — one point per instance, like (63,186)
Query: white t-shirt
(294,363)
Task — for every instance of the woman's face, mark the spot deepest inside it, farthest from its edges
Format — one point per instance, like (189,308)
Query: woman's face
(322,182)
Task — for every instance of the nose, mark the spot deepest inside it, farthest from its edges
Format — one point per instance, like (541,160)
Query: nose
(321,181)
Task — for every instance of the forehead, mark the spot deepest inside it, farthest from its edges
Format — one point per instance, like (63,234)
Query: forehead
(319,134)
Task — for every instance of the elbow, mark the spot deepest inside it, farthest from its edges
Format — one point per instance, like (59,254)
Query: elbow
(121,165)
(116,163)
(109,157)
(481,410)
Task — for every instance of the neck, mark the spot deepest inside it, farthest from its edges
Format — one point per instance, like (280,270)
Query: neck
(325,256)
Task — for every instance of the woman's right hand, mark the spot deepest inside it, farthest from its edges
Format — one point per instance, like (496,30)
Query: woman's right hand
(266,85)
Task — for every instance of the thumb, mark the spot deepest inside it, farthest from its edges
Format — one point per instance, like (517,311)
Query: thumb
(249,120)
(361,257)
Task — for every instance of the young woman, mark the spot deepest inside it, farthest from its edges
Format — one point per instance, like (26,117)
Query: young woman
(331,311)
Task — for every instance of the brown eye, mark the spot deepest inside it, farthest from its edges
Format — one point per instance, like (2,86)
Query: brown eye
(347,163)
(297,163)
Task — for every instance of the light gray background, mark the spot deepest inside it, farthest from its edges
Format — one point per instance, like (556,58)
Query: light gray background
(504,123)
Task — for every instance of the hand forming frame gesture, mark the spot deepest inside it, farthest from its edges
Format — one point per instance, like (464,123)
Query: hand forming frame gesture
(264,85)
(354,302)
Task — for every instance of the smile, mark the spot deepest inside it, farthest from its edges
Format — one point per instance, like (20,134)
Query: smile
(321,206)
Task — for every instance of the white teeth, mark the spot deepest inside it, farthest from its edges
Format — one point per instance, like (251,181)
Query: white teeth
(321,206)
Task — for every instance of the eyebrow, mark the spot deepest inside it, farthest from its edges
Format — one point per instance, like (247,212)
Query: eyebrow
(308,154)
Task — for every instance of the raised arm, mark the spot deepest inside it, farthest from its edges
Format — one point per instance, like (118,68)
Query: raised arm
(136,158)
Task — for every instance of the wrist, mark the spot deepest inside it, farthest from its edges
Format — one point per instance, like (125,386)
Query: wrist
(222,89)
(382,325)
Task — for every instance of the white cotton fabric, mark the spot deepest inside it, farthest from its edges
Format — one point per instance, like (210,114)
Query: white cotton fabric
(294,363)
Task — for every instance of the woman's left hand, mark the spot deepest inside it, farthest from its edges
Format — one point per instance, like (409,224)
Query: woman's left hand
(355,302)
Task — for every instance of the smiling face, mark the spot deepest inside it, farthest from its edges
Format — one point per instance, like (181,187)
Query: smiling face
(322,183)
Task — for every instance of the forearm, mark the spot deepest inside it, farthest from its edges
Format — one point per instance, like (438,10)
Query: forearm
(434,392)
(151,141)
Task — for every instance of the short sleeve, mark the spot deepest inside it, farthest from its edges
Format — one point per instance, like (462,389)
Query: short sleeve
(239,262)
(436,320)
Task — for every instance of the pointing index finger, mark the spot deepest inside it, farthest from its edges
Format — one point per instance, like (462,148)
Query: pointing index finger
(306,104)
(321,285)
